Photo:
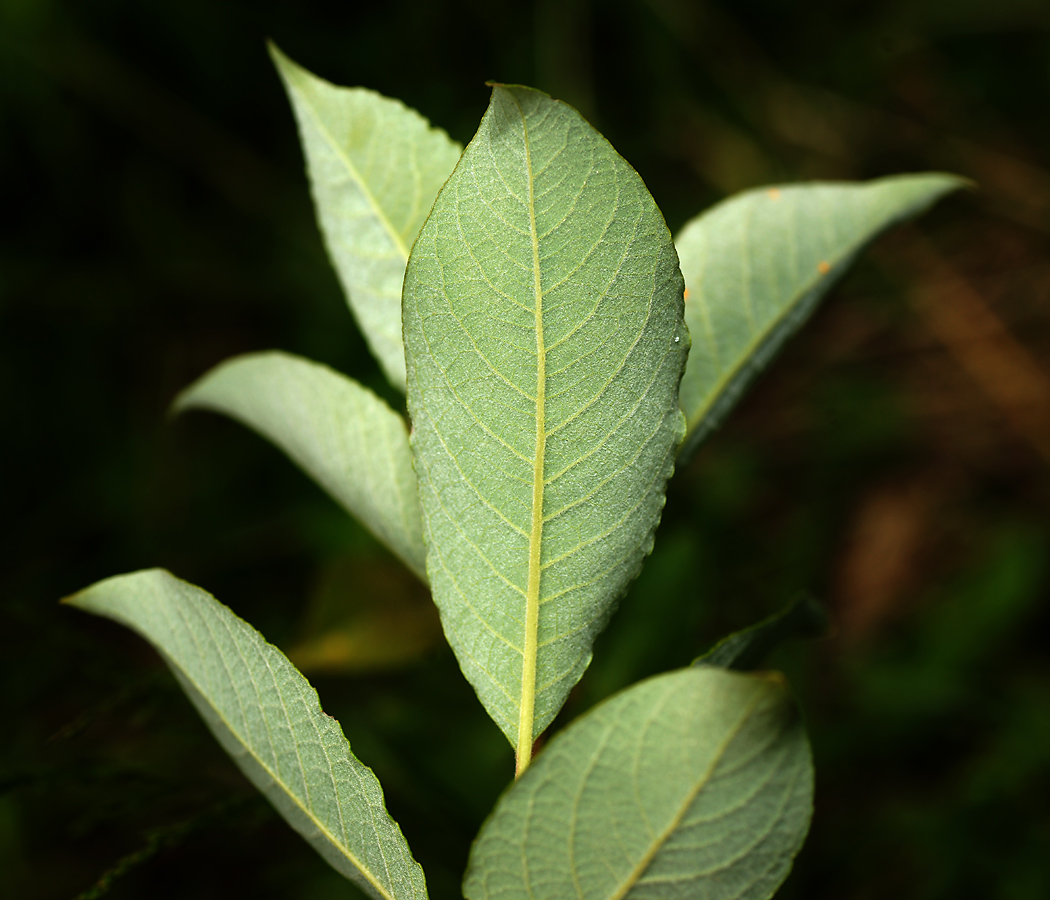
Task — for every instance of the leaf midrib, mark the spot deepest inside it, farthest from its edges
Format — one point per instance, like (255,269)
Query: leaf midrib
(690,798)
(731,372)
(356,175)
(526,717)
(275,777)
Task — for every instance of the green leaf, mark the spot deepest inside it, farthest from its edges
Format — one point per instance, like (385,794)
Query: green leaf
(747,649)
(340,433)
(697,783)
(545,342)
(757,264)
(268,718)
(375,168)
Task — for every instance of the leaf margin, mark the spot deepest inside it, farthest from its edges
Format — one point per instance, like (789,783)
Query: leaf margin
(529,790)
(100,599)
(367,413)
(733,384)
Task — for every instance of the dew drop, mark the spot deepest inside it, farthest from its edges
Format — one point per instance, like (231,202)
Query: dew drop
(676,339)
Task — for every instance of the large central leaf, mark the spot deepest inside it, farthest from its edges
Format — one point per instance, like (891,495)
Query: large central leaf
(544,342)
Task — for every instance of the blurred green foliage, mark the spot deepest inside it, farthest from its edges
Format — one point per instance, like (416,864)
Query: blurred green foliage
(894,461)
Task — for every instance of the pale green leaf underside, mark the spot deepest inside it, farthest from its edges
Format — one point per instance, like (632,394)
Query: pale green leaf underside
(757,264)
(375,168)
(268,718)
(340,433)
(697,783)
(545,342)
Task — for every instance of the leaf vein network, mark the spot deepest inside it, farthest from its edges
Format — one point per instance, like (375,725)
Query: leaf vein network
(498,291)
(643,864)
(659,424)
(495,167)
(593,348)
(574,818)
(226,667)
(452,388)
(482,620)
(478,421)
(355,177)
(590,253)
(612,375)
(274,776)
(643,496)
(477,493)
(455,524)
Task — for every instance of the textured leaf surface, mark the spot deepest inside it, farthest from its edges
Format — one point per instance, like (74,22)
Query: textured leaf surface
(375,168)
(697,783)
(545,342)
(747,649)
(268,718)
(341,434)
(756,265)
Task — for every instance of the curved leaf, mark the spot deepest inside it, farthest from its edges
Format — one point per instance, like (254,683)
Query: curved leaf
(697,783)
(757,264)
(375,168)
(545,342)
(268,718)
(748,648)
(340,433)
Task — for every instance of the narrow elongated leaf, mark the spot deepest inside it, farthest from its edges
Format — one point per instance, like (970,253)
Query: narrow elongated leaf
(697,783)
(341,434)
(545,342)
(756,266)
(747,649)
(268,718)
(375,168)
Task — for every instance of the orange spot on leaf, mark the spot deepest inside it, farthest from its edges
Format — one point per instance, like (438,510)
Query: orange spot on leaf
(685,294)
(823,267)
(774,193)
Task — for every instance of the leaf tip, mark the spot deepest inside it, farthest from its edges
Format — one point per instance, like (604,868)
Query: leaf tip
(280,59)
(288,69)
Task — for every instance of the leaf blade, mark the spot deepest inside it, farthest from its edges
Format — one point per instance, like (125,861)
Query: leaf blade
(801,238)
(544,340)
(268,718)
(340,433)
(694,783)
(746,649)
(375,167)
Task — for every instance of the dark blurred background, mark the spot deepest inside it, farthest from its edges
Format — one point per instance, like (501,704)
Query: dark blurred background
(894,460)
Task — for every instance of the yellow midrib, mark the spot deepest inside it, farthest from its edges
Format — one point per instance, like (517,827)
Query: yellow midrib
(356,176)
(731,371)
(280,783)
(532,596)
(662,838)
